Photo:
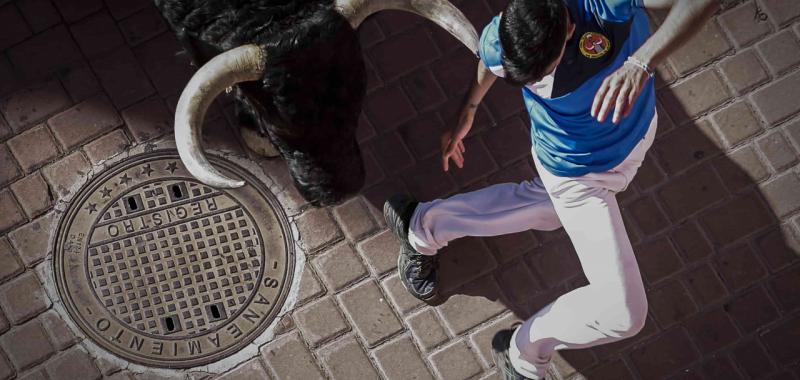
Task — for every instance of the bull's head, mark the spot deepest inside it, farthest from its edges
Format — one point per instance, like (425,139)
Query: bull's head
(247,63)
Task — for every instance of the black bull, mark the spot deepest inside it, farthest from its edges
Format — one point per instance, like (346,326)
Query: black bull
(310,96)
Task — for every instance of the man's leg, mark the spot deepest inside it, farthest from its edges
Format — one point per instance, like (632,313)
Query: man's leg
(495,210)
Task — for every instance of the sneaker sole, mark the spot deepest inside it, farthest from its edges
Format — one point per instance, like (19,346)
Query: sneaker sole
(424,299)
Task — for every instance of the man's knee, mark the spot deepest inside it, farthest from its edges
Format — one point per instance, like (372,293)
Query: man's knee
(631,318)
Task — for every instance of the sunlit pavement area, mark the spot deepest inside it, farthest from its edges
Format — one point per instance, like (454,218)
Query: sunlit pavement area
(714,213)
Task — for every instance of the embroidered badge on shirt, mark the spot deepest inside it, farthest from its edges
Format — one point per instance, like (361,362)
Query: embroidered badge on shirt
(594,45)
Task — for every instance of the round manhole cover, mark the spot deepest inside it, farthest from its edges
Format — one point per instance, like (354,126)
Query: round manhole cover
(165,271)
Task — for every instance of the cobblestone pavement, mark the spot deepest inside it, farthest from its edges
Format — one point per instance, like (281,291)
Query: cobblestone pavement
(713,214)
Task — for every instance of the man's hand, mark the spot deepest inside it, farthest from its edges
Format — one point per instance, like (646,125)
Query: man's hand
(453,142)
(619,91)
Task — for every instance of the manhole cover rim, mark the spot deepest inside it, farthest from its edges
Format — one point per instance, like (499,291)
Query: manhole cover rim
(92,184)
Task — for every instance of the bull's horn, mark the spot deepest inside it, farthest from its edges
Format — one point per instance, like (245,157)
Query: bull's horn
(441,12)
(242,64)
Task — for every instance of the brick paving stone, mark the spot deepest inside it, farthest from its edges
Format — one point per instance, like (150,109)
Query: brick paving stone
(455,362)
(250,370)
(741,168)
(777,150)
(10,78)
(784,286)
(370,313)
(480,162)
(33,194)
(509,141)
(26,345)
(417,47)
(168,70)
(60,335)
(783,341)
(781,11)
(648,215)
(426,329)
(792,130)
(86,120)
(320,321)
(712,330)
(142,25)
(736,218)
(471,305)
(400,359)
(80,82)
(339,267)
(422,89)
(781,193)
(14,27)
(682,148)
(9,263)
(148,119)
(752,359)
(34,57)
(462,261)
(708,44)
(12,214)
(73,10)
(780,52)
(122,77)
(23,298)
(507,247)
(65,173)
(4,323)
(309,286)
(720,367)
(422,134)
(402,300)
(657,259)
(106,147)
(517,282)
(391,153)
(736,123)
(741,26)
(6,369)
(123,8)
(744,71)
(752,309)
(481,339)
(738,267)
(8,169)
(97,34)
(345,360)
(33,104)
(5,130)
(354,218)
(670,304)
(33,241)
(388,107)
(40,14)
(33,147)
(664,355)
(776,101)
(704,284)
(778,247)
(555,262)
(317,229)
(73,364)
(695,96)
(288,358)
(380,252)
(38,374)
(613,370)
(427,180)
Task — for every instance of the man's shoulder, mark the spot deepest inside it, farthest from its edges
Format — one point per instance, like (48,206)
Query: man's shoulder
(610,10)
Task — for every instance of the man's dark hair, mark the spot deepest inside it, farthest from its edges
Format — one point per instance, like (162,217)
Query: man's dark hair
(532,33)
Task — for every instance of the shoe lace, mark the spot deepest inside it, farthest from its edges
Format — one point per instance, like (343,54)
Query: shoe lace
(425,264)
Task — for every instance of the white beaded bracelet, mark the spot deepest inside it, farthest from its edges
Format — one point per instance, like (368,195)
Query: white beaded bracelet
(633,61)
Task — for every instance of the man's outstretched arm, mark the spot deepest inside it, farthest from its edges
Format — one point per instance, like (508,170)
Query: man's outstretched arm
(621,89)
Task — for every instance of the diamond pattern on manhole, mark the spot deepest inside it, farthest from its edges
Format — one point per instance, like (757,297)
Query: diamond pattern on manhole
(165,271)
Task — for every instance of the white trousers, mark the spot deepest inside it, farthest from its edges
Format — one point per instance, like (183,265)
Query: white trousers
(611,307)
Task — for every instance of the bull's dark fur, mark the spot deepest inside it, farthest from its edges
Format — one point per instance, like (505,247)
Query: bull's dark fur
(310,96)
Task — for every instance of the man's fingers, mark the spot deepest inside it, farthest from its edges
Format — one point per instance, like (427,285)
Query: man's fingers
(632,96)
(620,105)
(598,98)
(609,97)
(461,146)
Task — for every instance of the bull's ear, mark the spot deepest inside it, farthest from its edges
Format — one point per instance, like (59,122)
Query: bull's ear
(241,64)
(442,12)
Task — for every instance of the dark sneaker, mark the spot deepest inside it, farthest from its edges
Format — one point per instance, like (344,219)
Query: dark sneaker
(500,346)
(418,272)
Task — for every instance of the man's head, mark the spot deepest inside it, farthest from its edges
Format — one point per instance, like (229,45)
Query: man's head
(533,34)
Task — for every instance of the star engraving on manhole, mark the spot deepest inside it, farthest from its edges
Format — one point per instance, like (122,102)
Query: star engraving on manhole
(147,170)
(91,207)
(105,192)
(172,167)
(124,179)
